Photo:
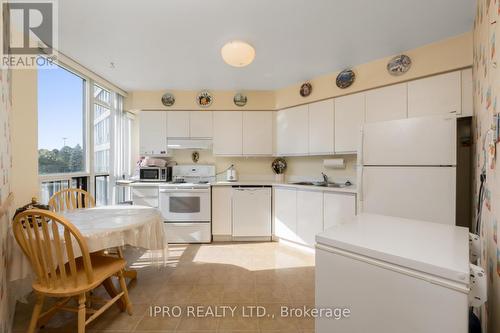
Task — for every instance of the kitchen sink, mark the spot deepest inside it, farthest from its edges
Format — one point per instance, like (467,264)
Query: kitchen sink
(303,183)
(322,184)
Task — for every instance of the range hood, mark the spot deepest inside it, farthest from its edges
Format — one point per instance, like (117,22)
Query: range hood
(199,144)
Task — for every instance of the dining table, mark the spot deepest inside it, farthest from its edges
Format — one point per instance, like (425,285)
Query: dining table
(104,228)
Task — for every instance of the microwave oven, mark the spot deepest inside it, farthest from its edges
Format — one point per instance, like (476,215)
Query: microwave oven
(155,174)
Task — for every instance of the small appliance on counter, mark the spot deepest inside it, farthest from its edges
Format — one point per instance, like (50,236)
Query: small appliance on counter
(153,162)
(231,174)
(154,170)
(155,174)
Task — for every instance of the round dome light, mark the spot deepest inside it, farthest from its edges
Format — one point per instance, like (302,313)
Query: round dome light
(237,53)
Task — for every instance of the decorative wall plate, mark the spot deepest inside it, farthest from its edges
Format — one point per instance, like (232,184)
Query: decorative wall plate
(306,89)
(399,65)
(345,78)
(240,99)
(195,156)
(204,98)
(168,99)
(279,165)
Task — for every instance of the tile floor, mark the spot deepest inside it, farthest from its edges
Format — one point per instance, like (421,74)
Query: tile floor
(208,277)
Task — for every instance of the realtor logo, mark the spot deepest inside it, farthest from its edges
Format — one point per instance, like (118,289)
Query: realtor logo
(29,37)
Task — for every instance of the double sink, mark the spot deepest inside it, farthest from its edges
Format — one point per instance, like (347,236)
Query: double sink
(324,184)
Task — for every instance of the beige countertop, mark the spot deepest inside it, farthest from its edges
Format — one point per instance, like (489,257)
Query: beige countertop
(349,189)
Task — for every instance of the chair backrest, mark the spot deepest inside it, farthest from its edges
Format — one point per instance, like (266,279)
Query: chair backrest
(49,241)
(71,198)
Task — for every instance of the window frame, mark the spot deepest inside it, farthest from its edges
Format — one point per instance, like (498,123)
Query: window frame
(88,136)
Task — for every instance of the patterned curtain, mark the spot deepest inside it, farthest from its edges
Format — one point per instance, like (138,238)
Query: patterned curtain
(486,93)
(5,167)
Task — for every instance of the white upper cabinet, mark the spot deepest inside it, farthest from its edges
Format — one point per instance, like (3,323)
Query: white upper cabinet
(292,131)
(349,118)
(467,103)
(321,127)
(387,103)
(201,124)
(228,127)
(436,95)
(189,124)
(222,210)
(178,124)
(153,132)
(257,133)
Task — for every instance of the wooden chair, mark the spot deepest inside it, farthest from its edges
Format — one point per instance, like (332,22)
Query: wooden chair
(75,198)
(71,198)
(52,244)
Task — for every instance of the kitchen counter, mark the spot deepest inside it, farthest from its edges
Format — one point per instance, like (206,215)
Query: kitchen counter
(139,184)
(348,189)
(438,249)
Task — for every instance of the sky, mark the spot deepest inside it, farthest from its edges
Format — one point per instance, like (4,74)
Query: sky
(60,108)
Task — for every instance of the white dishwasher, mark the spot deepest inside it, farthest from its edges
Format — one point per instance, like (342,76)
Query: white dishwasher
(251,213)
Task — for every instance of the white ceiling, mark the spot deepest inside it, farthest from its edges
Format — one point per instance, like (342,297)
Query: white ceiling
(175,44)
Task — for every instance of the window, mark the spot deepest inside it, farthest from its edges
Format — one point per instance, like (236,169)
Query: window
(101,190)
(83,135)
(61,122)
(102,131)
(103,112)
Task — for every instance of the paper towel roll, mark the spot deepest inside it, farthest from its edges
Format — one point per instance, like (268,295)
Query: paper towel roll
(334,163)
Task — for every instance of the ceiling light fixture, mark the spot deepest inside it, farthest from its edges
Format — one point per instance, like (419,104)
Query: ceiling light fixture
(237,53)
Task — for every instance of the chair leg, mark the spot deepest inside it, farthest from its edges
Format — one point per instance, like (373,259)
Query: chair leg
(119,251)
(112,292)
(125,298)
(81,313)
(36,313)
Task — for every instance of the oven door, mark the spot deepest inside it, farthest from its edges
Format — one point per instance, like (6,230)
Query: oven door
(149,174)
(189,205)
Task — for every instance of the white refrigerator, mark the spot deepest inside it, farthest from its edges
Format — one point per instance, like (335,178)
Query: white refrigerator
(408,168)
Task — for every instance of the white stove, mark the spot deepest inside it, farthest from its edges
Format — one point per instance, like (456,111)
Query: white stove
(186,205)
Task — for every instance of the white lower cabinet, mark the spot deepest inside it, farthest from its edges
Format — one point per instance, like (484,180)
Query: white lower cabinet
(145,196)
(299,215)
(309,216)
(337,207)
(285,213)
(222,212)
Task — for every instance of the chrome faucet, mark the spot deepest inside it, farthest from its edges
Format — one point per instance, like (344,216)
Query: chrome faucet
(325,178)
